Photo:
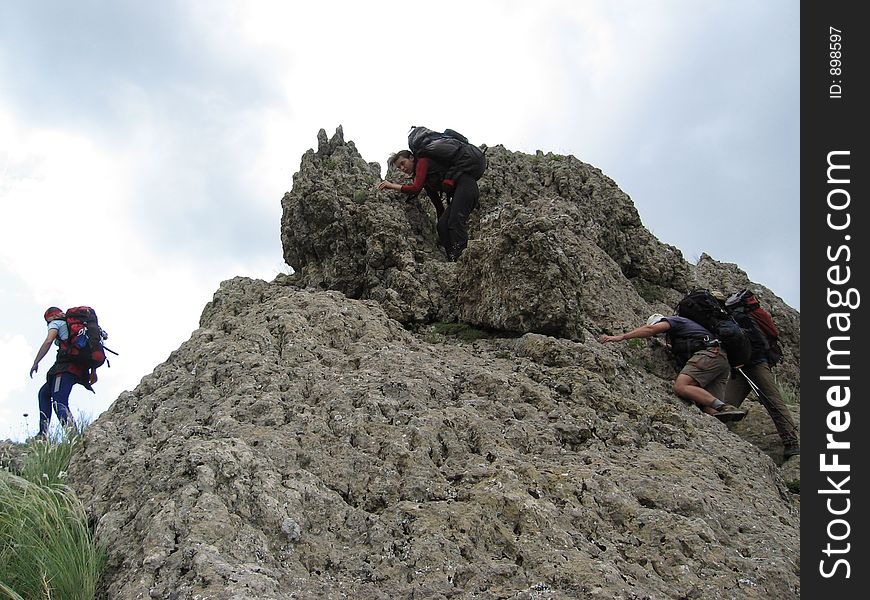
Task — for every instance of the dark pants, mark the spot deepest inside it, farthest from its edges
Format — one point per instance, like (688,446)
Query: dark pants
(738,388)
(55,392)
(453,224)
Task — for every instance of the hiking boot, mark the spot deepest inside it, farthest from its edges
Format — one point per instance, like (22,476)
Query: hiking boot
(791,450)
(727,412)
(454,252)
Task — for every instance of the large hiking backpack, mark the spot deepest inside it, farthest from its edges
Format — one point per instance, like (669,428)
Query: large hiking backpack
(703,308)
(757,338)
(745,302)
(85,342)
(450,148)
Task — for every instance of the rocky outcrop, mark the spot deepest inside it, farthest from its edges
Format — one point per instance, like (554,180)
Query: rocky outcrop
(339,233)
(552,241)
(325,435)
(557,248)
(305,445)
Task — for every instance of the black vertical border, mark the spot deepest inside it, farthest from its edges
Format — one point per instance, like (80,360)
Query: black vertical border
(833,124)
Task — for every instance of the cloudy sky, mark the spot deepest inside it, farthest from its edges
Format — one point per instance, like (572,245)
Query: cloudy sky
(145,146)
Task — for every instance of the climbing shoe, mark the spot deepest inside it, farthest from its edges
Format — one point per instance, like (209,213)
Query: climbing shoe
(791,450)
(727,412)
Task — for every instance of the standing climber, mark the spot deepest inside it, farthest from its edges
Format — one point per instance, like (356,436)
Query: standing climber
(442,163)
(763,335)
(61,377)
(705,371)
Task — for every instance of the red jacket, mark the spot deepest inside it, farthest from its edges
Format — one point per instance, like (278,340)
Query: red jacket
(429,175)
(764,321)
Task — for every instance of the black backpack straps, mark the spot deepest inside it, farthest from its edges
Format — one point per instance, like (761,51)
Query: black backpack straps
(684,346)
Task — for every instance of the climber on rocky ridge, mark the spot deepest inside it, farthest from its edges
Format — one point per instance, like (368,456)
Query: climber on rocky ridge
(444,163)
(704,376)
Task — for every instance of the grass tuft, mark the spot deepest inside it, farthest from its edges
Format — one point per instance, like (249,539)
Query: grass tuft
(788,394)
(47,549)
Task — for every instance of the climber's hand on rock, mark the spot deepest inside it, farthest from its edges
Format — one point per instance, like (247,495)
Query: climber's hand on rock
(389,185)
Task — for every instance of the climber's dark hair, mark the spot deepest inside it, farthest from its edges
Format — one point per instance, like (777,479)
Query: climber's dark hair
(400,154)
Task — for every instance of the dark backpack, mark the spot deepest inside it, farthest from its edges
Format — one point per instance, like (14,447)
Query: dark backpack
(746,303)
(757,338)
(774,352)
(84,345)
(704,309)
(450,148)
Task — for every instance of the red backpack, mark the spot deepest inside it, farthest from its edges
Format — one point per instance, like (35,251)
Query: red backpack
(85,342)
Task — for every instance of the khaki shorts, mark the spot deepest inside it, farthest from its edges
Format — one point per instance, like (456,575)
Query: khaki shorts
(709,368)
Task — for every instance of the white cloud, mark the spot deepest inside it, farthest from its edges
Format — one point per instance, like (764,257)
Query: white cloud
(15,360)
(73,241)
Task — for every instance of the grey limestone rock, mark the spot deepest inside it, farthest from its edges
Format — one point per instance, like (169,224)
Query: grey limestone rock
(312,438)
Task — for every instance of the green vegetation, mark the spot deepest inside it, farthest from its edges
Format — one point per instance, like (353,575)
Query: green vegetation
(46,463)
(47,549)
(461,331)
(359,196)
(788,394)
(439,332)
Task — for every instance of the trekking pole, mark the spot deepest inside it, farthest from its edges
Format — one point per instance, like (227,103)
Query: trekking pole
(108,364)
(754,386)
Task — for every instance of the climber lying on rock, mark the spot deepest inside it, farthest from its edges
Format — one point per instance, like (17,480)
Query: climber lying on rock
(704,375)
